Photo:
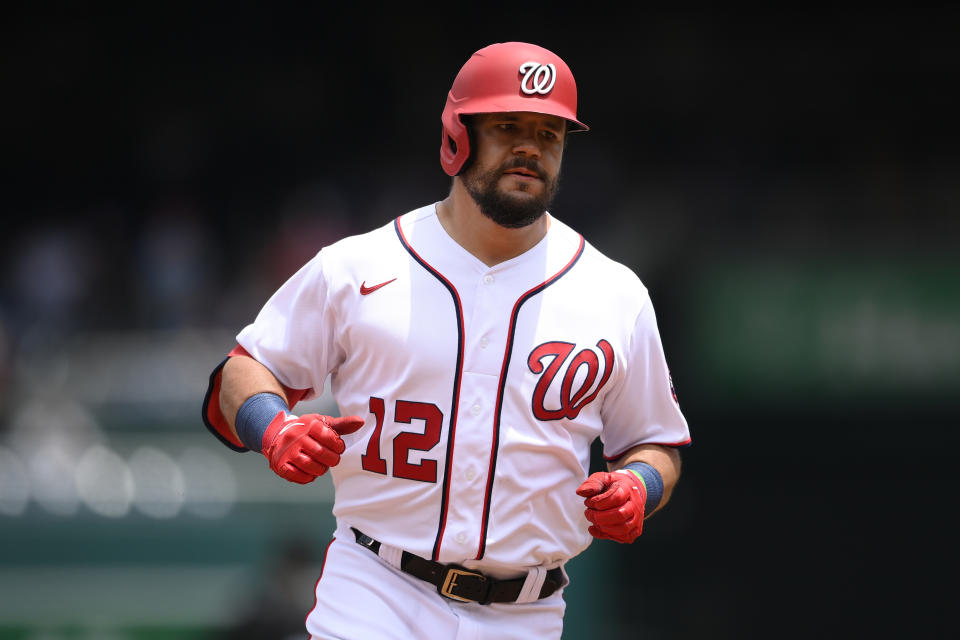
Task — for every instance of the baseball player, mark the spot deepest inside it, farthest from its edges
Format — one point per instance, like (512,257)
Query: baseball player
(476,347)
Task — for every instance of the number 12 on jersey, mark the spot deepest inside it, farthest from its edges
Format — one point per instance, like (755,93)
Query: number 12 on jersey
(405,412)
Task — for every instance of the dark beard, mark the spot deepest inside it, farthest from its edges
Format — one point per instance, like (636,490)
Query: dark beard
(506,209)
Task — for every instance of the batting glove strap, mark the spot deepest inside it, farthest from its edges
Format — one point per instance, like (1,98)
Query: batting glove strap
(255,415)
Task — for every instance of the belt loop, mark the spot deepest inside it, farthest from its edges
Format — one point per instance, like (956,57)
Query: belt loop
(530,591)
(391,555)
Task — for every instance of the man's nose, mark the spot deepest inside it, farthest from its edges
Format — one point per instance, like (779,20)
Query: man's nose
(526,145)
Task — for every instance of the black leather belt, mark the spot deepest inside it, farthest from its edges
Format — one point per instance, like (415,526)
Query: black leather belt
(457,583)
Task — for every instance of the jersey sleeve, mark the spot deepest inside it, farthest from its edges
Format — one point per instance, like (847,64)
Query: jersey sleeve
(643,409)
(293,335)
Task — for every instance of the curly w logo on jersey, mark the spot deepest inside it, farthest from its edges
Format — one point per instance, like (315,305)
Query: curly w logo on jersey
(571,401)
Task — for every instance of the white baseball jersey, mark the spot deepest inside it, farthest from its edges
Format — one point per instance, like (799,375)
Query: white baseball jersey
(482,387)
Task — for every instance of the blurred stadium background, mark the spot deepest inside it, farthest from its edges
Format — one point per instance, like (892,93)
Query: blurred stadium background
(786,183)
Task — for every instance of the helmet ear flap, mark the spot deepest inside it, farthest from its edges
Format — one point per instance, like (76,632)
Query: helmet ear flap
(455,144)
(471,143)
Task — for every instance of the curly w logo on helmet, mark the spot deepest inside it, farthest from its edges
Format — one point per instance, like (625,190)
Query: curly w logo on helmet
(538,78)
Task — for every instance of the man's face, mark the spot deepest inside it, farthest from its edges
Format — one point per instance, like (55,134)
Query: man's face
(516,165)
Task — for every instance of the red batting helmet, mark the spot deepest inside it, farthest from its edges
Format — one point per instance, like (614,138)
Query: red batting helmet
(508,76)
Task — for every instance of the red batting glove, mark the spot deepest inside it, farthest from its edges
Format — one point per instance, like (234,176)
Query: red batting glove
(615,503)
(301,448)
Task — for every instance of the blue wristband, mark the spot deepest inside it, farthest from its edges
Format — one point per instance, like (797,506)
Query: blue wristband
(652,481)
(255,415)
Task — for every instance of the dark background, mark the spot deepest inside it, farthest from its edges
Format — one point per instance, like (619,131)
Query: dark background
(786,183)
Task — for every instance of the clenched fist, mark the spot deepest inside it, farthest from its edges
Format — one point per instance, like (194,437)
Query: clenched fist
(301,448)
(615,504)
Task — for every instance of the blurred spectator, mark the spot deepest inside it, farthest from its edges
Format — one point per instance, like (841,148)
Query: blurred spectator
(312,216)
(176,268)
(51,276)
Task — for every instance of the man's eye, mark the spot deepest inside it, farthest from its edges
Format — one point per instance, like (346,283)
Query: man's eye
(506,126)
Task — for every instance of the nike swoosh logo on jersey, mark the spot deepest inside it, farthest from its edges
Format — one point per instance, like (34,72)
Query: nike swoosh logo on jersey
(364,289)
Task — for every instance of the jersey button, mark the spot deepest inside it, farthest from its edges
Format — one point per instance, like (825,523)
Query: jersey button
(475,409)
(484,342)
(461,537)
(470,474)
(488,279)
